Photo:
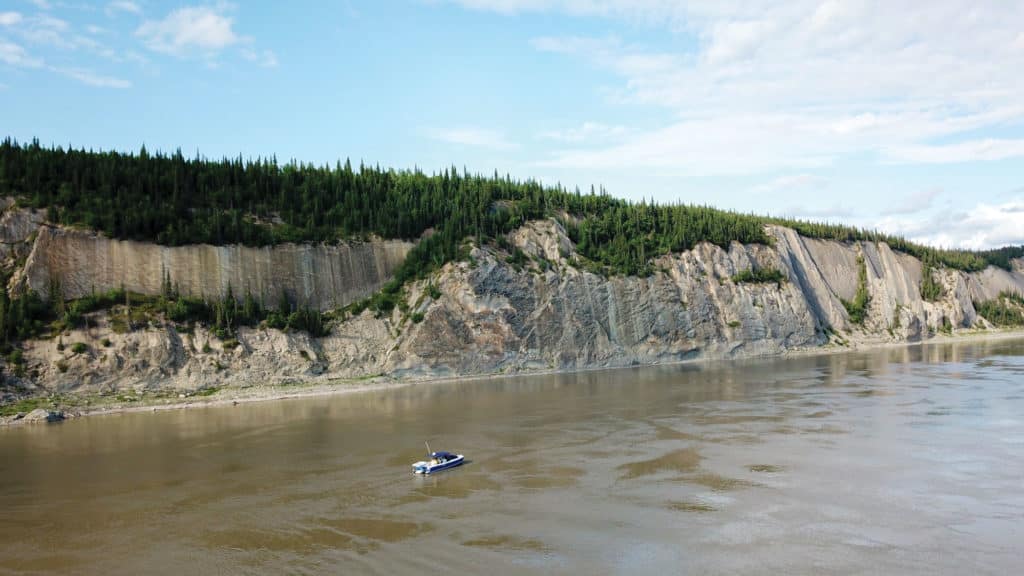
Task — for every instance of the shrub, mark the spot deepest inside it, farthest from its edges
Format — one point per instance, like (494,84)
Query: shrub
(761,276)
(79,348)
(858,308)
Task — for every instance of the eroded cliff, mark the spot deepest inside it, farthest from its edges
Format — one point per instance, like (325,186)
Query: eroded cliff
(482,316)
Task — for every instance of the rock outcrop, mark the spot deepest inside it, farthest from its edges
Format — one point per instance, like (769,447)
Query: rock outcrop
(318,275)
(488,314)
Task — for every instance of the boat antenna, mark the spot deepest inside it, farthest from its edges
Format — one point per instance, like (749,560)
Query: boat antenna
(428,448)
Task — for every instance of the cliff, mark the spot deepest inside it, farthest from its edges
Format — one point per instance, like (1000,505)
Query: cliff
(486,316)
(322,276)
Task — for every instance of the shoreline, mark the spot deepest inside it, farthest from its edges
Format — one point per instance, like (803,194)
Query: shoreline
(312,389)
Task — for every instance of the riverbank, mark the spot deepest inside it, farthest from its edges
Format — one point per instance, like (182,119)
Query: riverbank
(81,405)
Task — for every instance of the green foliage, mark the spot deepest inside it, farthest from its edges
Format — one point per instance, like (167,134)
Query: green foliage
(23,406)
(517,259)
(23,317)
(79,348)
(930,289)
(433,291)
(1005,310)
(947,326)
(622,237)
(966,260)
(175,200)
(760,276)
(858,308)
(417,317)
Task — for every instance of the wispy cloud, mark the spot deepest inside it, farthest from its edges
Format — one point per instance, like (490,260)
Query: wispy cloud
(848,79)
(915,202)
(969,151)
(123,6)
(791,182)
(91,78)
(15,55)
(831,212)
(587,132)
(9,18)
(476,137)
(187,31)
(983,226)
(41,4)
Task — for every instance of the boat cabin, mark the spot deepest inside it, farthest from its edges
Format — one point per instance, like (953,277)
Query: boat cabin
(442,457)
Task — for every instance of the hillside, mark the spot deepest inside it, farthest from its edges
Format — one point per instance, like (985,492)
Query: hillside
(480,276)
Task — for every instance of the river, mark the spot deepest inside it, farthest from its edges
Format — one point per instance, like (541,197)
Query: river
(903,460)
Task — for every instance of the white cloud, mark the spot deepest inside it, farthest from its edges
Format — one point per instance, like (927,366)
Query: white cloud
(587,132)
(9,18)
(969,151)
(732,41)
(47,30)
(91,78)
(15,55)
(981,227)
(791,182)
(190,30)
(915,202)
(476,137)
(41,4)
(831,213)
(123,6)
(849,77)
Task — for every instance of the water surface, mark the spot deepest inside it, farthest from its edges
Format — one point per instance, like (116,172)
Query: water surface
(906,460)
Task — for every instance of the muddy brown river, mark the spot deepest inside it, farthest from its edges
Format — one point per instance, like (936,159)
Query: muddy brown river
(896,461)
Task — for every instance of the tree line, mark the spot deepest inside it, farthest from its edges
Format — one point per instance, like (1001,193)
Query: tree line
(174,200)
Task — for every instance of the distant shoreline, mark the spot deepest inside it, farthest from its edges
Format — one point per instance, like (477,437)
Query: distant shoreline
(269,392)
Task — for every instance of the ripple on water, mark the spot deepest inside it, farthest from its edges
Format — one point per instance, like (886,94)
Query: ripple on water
(454,485)
(689,506)
(767,468)
(553,477)
(684,460)
(718,483)
(508,542)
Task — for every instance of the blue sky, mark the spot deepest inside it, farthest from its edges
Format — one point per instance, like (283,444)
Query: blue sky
(908,119)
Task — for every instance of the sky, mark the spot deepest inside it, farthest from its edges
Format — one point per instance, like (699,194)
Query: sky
(906,117)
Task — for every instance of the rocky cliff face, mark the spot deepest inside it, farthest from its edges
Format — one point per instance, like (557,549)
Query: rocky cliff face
(490,316)
(321,276)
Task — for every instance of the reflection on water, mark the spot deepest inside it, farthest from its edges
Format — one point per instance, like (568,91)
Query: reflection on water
(903,460)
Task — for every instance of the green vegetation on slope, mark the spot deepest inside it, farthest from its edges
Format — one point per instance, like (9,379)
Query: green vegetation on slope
(30,317)
(760,276)
(858,308)
(1005,310)
(931,290)
(175,200)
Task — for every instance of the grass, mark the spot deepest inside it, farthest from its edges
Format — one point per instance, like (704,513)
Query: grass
(26,405)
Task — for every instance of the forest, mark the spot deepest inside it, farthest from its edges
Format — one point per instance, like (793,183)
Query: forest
(174,200)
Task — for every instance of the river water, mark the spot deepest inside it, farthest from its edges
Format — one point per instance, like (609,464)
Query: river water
(896,461)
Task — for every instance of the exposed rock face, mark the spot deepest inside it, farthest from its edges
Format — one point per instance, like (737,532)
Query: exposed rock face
(490,316)
(322,276)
